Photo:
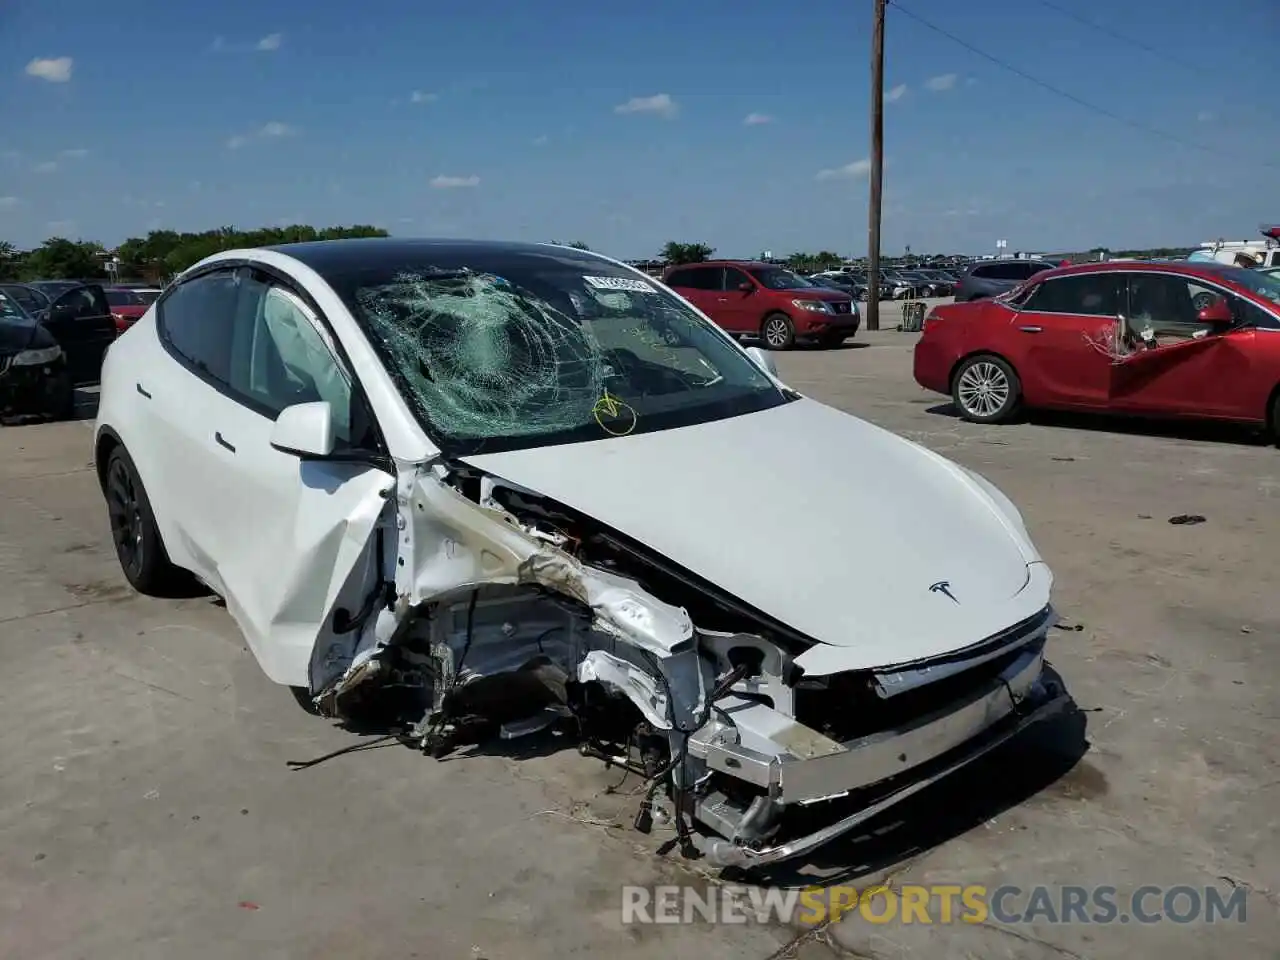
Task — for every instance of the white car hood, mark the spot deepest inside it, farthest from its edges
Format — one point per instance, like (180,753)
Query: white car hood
(829,524)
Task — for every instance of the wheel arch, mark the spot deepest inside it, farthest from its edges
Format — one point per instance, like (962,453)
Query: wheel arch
(955,367)
(106,443)
(1271,415)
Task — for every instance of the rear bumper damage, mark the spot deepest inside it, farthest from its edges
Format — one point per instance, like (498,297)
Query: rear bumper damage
(504,612)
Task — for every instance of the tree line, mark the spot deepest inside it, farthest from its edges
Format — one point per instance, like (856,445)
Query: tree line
(155,257)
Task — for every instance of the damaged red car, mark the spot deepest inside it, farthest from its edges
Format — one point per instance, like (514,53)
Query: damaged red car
(1175,339)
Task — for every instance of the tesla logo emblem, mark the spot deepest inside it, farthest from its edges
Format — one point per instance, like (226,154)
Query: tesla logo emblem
(943,587)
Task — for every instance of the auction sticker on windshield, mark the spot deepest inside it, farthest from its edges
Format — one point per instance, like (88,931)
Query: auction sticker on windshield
(619,283)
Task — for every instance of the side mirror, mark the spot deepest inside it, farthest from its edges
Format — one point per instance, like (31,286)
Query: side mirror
(746,286)
(304,430)
(1217,313)
(764,360)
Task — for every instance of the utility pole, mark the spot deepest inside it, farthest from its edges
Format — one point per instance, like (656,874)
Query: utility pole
(877,168)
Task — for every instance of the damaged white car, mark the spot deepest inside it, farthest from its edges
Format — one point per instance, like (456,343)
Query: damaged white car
(483,488)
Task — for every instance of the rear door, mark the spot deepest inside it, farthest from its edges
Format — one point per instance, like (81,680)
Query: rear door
(740,310)
(80,320)
(701,286)
(1062,337)
(1194,368)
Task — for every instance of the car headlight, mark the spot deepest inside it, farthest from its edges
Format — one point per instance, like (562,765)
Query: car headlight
(813,306)
(36,358)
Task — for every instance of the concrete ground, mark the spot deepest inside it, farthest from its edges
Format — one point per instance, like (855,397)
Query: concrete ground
(146,809)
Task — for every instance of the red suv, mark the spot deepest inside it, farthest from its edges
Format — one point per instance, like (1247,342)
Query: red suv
(746,298)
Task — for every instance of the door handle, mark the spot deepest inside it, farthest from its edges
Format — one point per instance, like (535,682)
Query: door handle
(142,391)
(222,442)
(1031,329)
(724,299)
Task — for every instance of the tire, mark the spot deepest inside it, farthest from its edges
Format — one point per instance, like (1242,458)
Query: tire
(62,397)
(1275,419)
(778,332)
(141,553)
(985,389)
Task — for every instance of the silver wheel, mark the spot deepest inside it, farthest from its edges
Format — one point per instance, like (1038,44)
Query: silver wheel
(983,389)
(777,332)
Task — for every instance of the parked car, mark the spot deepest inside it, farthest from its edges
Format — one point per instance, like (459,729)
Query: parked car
(1196,340)
(34,378)
(127,306)
(483,486)
(925,285)
(990,278)
(78,317)
(747,298)
(903,287)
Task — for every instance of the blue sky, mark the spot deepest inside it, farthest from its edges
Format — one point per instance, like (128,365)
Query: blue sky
(627,125)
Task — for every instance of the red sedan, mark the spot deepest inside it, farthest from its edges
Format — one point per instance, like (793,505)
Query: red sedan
(1172,339)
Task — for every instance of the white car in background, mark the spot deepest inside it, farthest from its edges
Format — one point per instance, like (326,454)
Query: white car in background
(486,486)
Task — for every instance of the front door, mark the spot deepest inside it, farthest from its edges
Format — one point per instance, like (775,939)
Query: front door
(296,542)
(1063,335)
(1179,365)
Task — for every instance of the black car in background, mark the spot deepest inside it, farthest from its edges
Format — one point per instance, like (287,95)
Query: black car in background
(990,278)
(34,379)
(75,314)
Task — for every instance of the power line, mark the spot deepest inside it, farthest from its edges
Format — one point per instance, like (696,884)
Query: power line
(1122,37)
(1066,95)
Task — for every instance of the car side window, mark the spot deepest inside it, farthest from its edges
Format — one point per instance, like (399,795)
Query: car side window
(281,356)
(1088,295)
(734,278)
(1169,303)
(195,321)
(702,278)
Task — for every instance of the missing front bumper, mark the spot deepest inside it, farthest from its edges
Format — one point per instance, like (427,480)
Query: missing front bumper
(914,757)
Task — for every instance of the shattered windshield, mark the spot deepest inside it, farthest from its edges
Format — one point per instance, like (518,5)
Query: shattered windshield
(519,349)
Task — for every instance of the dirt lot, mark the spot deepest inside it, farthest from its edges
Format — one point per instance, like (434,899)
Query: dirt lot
(146,809)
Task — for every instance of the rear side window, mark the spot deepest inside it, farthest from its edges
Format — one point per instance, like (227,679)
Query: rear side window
(196,320)
(1090,295)
(698,278)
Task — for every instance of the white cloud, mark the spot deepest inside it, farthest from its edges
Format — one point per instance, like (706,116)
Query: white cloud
(270,42)
(75,153)
(47,166)
(850,171)
(541,141)
(895,94)
(53,69)
(660,105)
(422,96)
(8,201)
(443,182)
(1204,116)
(755,119)
(273,130)
(942,82)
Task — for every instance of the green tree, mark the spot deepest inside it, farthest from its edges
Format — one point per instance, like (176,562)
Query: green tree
(10,261)
(579,245)
(675,252)
(162,253)
(61,259)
